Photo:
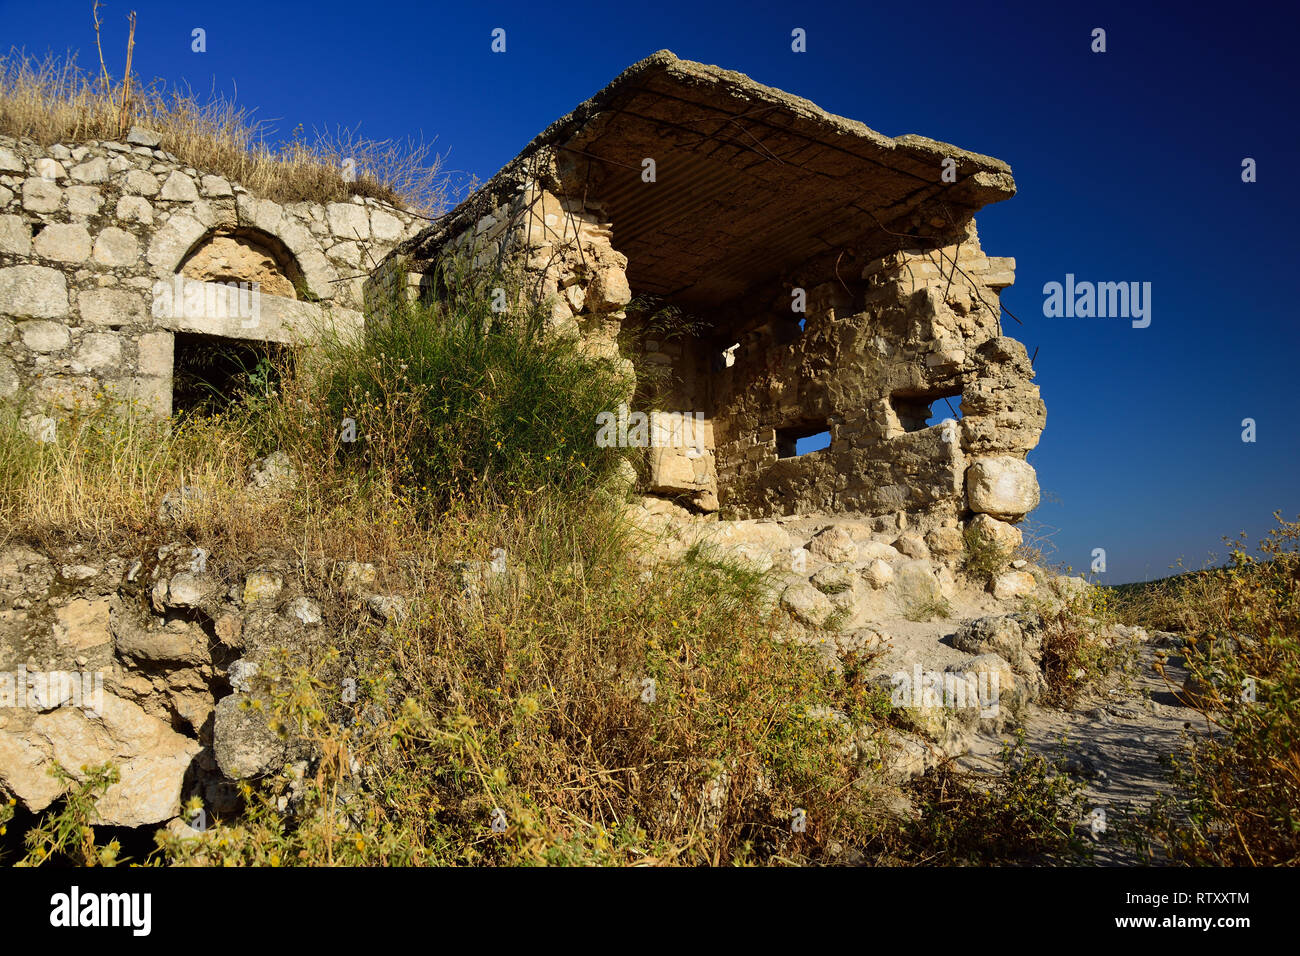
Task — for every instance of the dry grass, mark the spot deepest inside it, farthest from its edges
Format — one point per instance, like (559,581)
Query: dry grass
(531,699)
(1188,602)
(103,481)
(55,100)
(1239,783)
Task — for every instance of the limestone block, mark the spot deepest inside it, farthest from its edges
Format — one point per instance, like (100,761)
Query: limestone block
(834,545)
(608,291)
(15,236)
(576,297)
(1005,537)
(318,274)
(140,136)
(170,243)
(216,186)
(834,579)
(97,352)
(915,585)
(806,604)
(84,200)
(1015,638)
(116,247)
(110,307)
(912,544)
(63,242)
(177,642)
(297,236)
(348,253)
(135,209)
(385,227)
(1002,486)
(878,573)
(143,395)
(262,213)
(82,624)
(151,758)
(64,391)
(47,168)
(43,336)
(1013,584)
(140,183)
(671,471)
(944,541)
(878,551)
(179,187)
(348,221)
(91,171)
(10,162)
(9,380)
(262,587)
(244,744)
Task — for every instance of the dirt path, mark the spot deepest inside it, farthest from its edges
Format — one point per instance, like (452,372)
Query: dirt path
(1116,744)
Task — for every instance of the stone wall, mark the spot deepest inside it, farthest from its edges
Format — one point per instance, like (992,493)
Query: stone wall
(876,351)
(109,249)
(685,187)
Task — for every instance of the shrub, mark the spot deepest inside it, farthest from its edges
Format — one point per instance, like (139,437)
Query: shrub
(454,399)
(610,719)
(1029,813)
(927,608)
(1239,799)
(981,557)
(1077,654)
(65,834)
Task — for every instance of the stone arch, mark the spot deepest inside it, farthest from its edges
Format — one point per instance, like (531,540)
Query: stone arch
(245,255)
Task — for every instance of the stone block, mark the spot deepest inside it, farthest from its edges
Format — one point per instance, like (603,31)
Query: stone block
(1002,486)
(34,292)
(63,242)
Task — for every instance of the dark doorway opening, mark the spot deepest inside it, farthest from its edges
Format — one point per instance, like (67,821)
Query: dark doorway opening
(212,373)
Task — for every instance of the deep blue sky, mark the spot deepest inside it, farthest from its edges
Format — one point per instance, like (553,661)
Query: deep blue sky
(1128,166)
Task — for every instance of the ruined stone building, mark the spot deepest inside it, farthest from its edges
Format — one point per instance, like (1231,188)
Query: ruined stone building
(119,266)
(827,280)
(832,278)
(768,270)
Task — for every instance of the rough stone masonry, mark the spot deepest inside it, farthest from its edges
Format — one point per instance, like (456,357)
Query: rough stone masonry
(832,278)
(111,251)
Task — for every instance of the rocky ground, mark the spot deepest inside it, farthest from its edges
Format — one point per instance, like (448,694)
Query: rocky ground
(177,637)
(1116,742)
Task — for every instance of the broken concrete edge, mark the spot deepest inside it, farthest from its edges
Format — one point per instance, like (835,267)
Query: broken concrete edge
(733,83)
(992,177)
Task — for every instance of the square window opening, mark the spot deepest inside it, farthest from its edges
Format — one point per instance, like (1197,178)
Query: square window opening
(921,411)
(801,440)
(212,374)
